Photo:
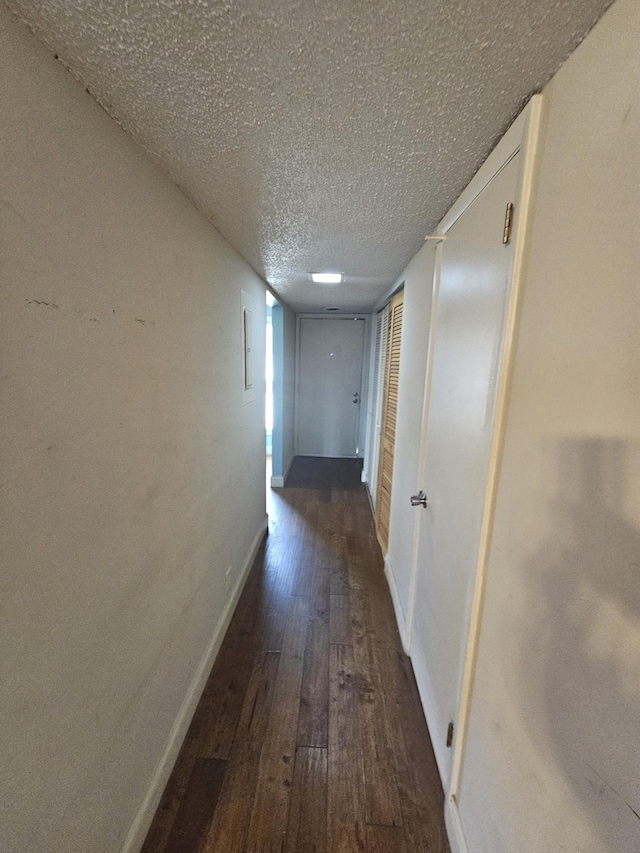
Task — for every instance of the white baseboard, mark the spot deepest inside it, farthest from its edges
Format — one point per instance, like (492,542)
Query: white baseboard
(279,480)
(140,826)
(328,456)
(364,476)
(395,598)
(457,841)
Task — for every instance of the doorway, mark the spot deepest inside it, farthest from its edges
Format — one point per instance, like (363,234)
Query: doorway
(268,403)
(330,355)
(275,392)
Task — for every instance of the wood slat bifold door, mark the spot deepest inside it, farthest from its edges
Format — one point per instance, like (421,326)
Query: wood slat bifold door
(380,362)
(389,415)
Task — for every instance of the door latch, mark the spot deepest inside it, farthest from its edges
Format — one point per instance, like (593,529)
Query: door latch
(419,500)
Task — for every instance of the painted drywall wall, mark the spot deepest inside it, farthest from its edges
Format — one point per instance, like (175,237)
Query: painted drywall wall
(416,318)
(131,473)
(554,738)
(284,355)
(289,387)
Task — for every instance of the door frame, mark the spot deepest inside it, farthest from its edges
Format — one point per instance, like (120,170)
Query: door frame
(372,432)
(522,136)
(364,374)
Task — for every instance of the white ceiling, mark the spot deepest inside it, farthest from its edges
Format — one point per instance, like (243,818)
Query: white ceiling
(316,134)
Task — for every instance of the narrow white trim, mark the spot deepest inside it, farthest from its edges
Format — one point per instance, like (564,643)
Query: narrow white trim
(395,596)
(332,456)
(278,481)
(363,421)
(369,357)
(530,131)
(457,841)
(142,821)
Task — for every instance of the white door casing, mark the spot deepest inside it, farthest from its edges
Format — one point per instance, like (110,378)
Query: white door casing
(330,356)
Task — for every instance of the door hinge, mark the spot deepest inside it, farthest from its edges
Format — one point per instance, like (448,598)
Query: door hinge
(508,219)
(449,734)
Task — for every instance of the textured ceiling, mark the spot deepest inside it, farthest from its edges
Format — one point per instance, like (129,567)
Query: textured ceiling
(316,135)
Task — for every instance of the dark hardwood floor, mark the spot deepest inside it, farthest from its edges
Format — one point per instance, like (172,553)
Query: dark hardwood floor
(309,735)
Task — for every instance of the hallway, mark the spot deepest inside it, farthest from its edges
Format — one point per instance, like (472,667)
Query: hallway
(309,735)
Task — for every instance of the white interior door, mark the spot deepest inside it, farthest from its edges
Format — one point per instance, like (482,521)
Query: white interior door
(473,296)
(329,380)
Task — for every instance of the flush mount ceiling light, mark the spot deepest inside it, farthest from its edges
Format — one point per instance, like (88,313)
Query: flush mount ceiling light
(326,277)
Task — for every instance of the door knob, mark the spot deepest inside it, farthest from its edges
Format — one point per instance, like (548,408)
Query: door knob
(419,500)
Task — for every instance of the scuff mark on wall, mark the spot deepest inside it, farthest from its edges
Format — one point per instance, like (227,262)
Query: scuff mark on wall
(41,302)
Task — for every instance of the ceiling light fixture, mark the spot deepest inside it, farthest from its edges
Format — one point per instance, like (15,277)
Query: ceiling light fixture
(326,277)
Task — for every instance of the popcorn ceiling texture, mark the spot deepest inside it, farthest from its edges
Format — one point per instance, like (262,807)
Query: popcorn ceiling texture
(316,135)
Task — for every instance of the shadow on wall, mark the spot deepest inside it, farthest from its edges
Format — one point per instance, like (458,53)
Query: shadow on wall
(581,646)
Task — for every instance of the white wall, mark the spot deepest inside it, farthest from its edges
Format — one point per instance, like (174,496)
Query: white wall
(416,317)
(363,427)
(284,389)
(289,384)
(554,737)
(127,458)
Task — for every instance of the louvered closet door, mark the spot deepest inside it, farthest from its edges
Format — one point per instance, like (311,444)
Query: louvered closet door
(380,362)
(389,415)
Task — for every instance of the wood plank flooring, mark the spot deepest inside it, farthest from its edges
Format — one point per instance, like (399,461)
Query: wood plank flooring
(310,736)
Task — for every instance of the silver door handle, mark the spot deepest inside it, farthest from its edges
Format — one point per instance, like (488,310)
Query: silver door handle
(419,500)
